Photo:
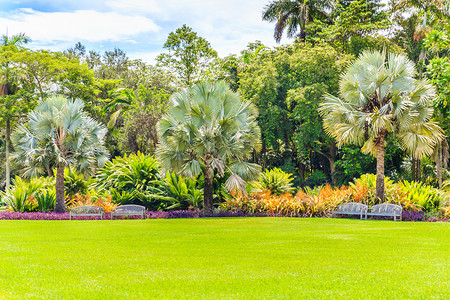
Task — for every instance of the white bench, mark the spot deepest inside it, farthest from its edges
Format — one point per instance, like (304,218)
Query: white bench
(351,208)
(386,210)
(128,210)
(86,211)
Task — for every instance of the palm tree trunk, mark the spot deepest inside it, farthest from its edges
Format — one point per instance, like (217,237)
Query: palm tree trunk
(8,171)
(380,169)
(208,189)
(302,35)
(60,202)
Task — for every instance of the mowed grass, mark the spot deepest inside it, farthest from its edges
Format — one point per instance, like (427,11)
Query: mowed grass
(227,258)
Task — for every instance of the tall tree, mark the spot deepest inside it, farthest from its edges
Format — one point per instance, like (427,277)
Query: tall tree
(60,134)
(438,71)
(295,15)
(209,127)
(189,55)
(379,95)
(8,89)
(426,7)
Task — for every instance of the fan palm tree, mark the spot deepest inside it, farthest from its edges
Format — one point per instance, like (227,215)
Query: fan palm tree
(7,89)
(59,134)
(292,14)
(209,127)
(379,96)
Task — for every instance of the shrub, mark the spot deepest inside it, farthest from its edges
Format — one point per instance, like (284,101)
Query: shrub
(426,196)
(182,191)
(132,179)
(75,183)
(80,200)
(311,202)
(21,196)
(276,181)
(45,199)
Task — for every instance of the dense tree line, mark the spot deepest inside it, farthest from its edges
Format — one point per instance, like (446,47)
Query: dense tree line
(286,84)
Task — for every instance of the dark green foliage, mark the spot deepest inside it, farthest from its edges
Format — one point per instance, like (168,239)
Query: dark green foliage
(75,183)
(352,164)
(132,179)
(286,85)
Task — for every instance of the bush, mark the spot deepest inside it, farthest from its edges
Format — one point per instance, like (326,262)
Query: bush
(75,183)
(311,202)
(132,179)
(415,198)
(21,197)
(276,181)
(81,200)
(46,199)
(426,196)
(183,192)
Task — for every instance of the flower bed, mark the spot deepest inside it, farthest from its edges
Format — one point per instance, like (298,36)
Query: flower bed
(8,215)
(179,214)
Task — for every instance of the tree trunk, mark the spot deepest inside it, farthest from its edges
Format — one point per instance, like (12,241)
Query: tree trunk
(439,165)
(60,201)
(332,160)
(380,169)
(302,35)
(8,171)
(418,170)
(208,189)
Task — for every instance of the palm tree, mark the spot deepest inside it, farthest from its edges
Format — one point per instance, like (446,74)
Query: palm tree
(379,96)
(209,127)
(7,89)
(293,14)
(59,134)
(123,98)
(436,7)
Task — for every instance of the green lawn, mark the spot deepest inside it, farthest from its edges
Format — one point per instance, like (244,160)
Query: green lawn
(242,258)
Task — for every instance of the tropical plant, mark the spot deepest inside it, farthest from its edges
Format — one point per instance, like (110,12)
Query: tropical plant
(60,134)
(276,181)
(294,14)
(123,99)
(183,191)
(209,127)
(75,183)
(20,196)
(45,199)
(426,196)
(132,178)
(9,103)
(435,7)
(81,200)
(379,95)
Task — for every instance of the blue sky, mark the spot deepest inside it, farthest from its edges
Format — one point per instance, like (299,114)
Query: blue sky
(140,27)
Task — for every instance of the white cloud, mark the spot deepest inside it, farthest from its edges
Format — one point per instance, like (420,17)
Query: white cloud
(228,25)
(140,27)
(84,25)
(135,6)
